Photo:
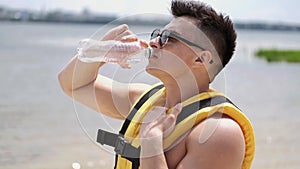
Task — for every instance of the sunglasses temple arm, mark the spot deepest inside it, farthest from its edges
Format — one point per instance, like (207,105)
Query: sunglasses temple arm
(187,42)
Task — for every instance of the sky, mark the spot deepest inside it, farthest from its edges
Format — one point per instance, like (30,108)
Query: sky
(274,11)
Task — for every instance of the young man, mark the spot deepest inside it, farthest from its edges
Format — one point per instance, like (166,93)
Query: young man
(163,126)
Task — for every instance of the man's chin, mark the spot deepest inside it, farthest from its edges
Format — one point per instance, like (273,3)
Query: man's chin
(153,71)
(157,73)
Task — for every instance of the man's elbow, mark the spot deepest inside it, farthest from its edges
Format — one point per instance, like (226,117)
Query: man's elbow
(66,88)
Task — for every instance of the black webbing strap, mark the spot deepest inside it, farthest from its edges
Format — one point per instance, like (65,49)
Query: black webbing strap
(195,106)
(121,146)
(138,106)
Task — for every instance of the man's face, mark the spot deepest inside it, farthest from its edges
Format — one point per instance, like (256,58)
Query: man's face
(175,57)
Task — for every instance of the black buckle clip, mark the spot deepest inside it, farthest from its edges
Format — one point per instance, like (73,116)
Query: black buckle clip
(101,136)
(120,145)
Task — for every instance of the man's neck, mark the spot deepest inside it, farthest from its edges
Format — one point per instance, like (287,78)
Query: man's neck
(181,90)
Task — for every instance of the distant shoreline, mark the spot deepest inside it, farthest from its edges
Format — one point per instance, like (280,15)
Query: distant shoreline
(88,17)
(237,25)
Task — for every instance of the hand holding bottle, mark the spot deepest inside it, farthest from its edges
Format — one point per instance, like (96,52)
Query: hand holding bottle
(119,45)
(112,51)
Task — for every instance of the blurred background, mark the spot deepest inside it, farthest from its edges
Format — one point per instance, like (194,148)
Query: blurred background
(40,127)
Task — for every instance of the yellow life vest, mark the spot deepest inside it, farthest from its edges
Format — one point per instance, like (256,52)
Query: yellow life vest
(195,110)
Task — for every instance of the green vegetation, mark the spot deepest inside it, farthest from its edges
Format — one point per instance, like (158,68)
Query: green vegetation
(276,55)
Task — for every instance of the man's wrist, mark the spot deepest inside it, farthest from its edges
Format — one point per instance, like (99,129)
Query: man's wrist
(151,146)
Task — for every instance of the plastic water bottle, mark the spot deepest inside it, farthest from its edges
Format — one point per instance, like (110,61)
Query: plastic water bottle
(90,51)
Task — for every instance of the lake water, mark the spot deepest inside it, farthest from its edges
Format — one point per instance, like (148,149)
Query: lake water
(40,127)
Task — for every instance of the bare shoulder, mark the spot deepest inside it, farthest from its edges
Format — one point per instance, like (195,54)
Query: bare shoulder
(114,98)
(216,143)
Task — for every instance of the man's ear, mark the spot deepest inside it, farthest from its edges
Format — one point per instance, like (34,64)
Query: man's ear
(205,57)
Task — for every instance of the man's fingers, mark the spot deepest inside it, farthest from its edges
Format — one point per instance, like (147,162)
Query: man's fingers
(119,30)
(176,109)
(144,43)
(123,34)
(154,114)
(115,32)
(129,38)
(170,120)
(125,65)
(169,124)
(157,117)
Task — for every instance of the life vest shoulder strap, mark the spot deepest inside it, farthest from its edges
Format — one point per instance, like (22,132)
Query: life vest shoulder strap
(144,97)
(200,104)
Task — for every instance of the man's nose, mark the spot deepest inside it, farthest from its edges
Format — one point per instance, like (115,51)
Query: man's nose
(154,43)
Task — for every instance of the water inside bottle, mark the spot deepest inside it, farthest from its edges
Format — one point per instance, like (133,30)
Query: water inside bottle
(90,51)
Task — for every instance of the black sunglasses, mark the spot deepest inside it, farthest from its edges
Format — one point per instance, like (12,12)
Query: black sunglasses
(166,34)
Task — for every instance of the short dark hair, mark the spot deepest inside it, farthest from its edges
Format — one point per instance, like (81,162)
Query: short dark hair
(217,27)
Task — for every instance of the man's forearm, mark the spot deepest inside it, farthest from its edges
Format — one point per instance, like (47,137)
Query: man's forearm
(77,74)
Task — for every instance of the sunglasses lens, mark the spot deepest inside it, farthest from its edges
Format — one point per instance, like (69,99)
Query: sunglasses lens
(154,34)
(164,37)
